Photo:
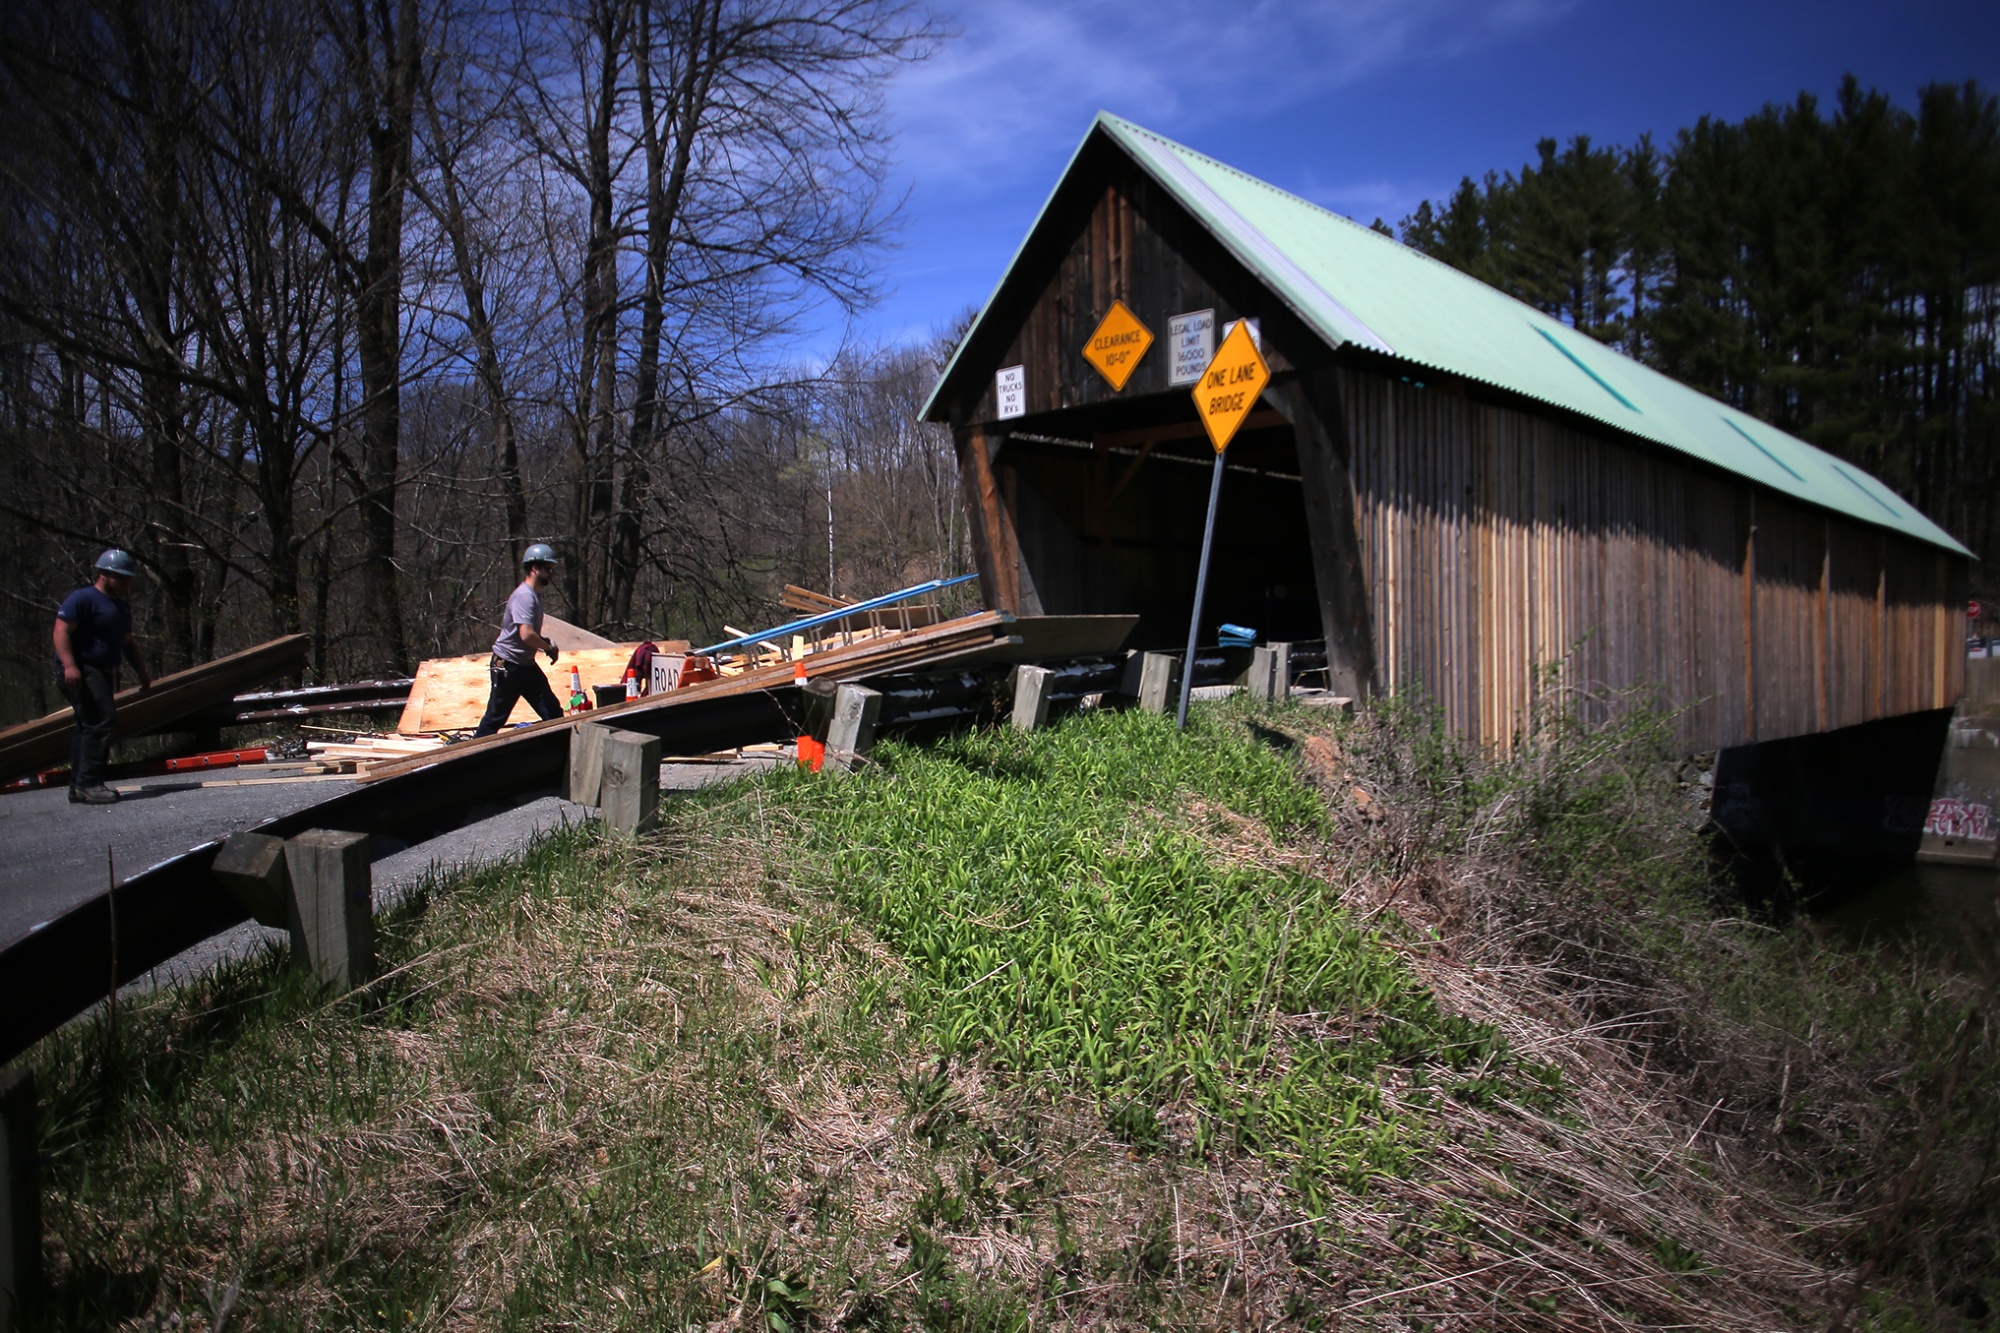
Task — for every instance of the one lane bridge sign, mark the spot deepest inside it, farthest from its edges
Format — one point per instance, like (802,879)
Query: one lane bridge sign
(1229,387)
(1117,346)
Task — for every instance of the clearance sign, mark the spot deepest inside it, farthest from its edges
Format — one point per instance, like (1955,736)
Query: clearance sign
(1228,389)
(1118,345)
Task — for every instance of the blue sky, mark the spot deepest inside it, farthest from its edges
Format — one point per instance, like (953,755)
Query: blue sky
(1364,106)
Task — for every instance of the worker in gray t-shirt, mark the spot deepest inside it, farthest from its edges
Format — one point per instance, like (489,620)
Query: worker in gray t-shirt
(515,675)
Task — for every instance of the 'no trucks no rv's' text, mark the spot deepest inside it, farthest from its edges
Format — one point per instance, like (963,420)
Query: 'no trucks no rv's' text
(1010,389)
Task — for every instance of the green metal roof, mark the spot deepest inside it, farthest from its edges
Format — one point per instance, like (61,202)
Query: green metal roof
(1355,286)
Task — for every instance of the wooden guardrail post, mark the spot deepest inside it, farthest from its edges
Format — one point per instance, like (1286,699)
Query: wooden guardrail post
(628,788)
(1271,672)
(1154,685)
(1031,697)
(850,737)
(20,1198)
(334,897)
(586,761)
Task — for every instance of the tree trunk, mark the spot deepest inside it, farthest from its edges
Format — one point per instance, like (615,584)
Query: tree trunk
(597,378)
(665,187)
(378,309)
(486,351)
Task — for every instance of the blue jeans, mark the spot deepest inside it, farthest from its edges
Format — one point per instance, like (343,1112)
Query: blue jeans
(514,681)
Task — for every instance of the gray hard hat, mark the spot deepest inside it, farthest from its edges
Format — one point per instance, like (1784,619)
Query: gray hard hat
(115,561)
(541,553)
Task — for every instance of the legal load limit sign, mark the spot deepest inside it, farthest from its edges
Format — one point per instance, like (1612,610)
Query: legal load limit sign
(1229,387)
(1117,345)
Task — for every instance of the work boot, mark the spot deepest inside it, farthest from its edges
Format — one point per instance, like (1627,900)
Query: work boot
(98,794)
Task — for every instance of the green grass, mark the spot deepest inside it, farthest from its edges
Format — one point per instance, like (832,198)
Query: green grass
(1059,903)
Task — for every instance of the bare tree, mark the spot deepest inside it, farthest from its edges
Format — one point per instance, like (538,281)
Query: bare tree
(228,341)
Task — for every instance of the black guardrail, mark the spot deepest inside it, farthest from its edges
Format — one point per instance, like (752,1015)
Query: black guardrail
(54,973)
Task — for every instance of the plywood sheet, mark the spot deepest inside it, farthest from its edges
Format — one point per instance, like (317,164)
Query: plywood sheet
(450,692)
(1058,638)
(566,636)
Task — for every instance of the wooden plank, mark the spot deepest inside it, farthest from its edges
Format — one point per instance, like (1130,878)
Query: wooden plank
(231,782)
(805,599)
(45,741)
(1056,638)
(570,638)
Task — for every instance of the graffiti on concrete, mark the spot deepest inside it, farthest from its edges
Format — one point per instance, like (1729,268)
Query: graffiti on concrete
(1955,817)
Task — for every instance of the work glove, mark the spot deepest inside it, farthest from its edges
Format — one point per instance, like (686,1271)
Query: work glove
(552,655)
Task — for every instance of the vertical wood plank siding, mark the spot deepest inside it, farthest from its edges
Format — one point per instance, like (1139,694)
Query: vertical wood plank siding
(1502,546)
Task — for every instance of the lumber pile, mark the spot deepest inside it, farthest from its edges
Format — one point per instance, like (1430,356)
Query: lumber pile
(360,696)
(45,741)
(372,749)
(887,652)
(450,693)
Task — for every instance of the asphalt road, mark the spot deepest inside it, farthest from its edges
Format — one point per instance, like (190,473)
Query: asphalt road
(59,855)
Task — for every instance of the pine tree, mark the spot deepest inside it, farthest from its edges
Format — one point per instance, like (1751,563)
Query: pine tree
(1837,275)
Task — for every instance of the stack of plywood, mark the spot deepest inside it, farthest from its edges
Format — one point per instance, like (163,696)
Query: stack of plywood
(450,693)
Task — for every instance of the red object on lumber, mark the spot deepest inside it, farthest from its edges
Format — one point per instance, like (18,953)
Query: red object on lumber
(214,759)
(150,768)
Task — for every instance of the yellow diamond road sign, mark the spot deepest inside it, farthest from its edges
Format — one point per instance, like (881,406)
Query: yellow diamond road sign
(1117,345)
(1229,387)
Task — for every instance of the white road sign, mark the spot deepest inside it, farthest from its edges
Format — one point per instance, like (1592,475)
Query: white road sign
(1191,337)
(1010,388)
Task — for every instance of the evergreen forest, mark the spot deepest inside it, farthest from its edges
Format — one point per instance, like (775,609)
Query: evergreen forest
(1834,270)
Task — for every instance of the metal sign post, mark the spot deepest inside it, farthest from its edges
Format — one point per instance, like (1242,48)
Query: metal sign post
(1224,397)
(1200,591)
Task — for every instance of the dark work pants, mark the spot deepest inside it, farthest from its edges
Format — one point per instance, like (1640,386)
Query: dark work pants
(90,741)
(514,681)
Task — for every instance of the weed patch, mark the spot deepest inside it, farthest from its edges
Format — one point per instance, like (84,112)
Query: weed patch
(1054,897)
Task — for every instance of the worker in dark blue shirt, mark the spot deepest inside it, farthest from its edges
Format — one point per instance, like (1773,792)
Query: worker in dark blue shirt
(93,630)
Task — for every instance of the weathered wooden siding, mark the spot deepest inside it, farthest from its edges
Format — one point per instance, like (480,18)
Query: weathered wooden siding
(1127,243)
(1493,543)
(1503,548)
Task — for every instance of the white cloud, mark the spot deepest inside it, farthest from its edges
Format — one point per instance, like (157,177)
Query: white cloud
(983,127)
(1025,76)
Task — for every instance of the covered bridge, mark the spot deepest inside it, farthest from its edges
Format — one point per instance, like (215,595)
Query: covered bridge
(1451,487)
